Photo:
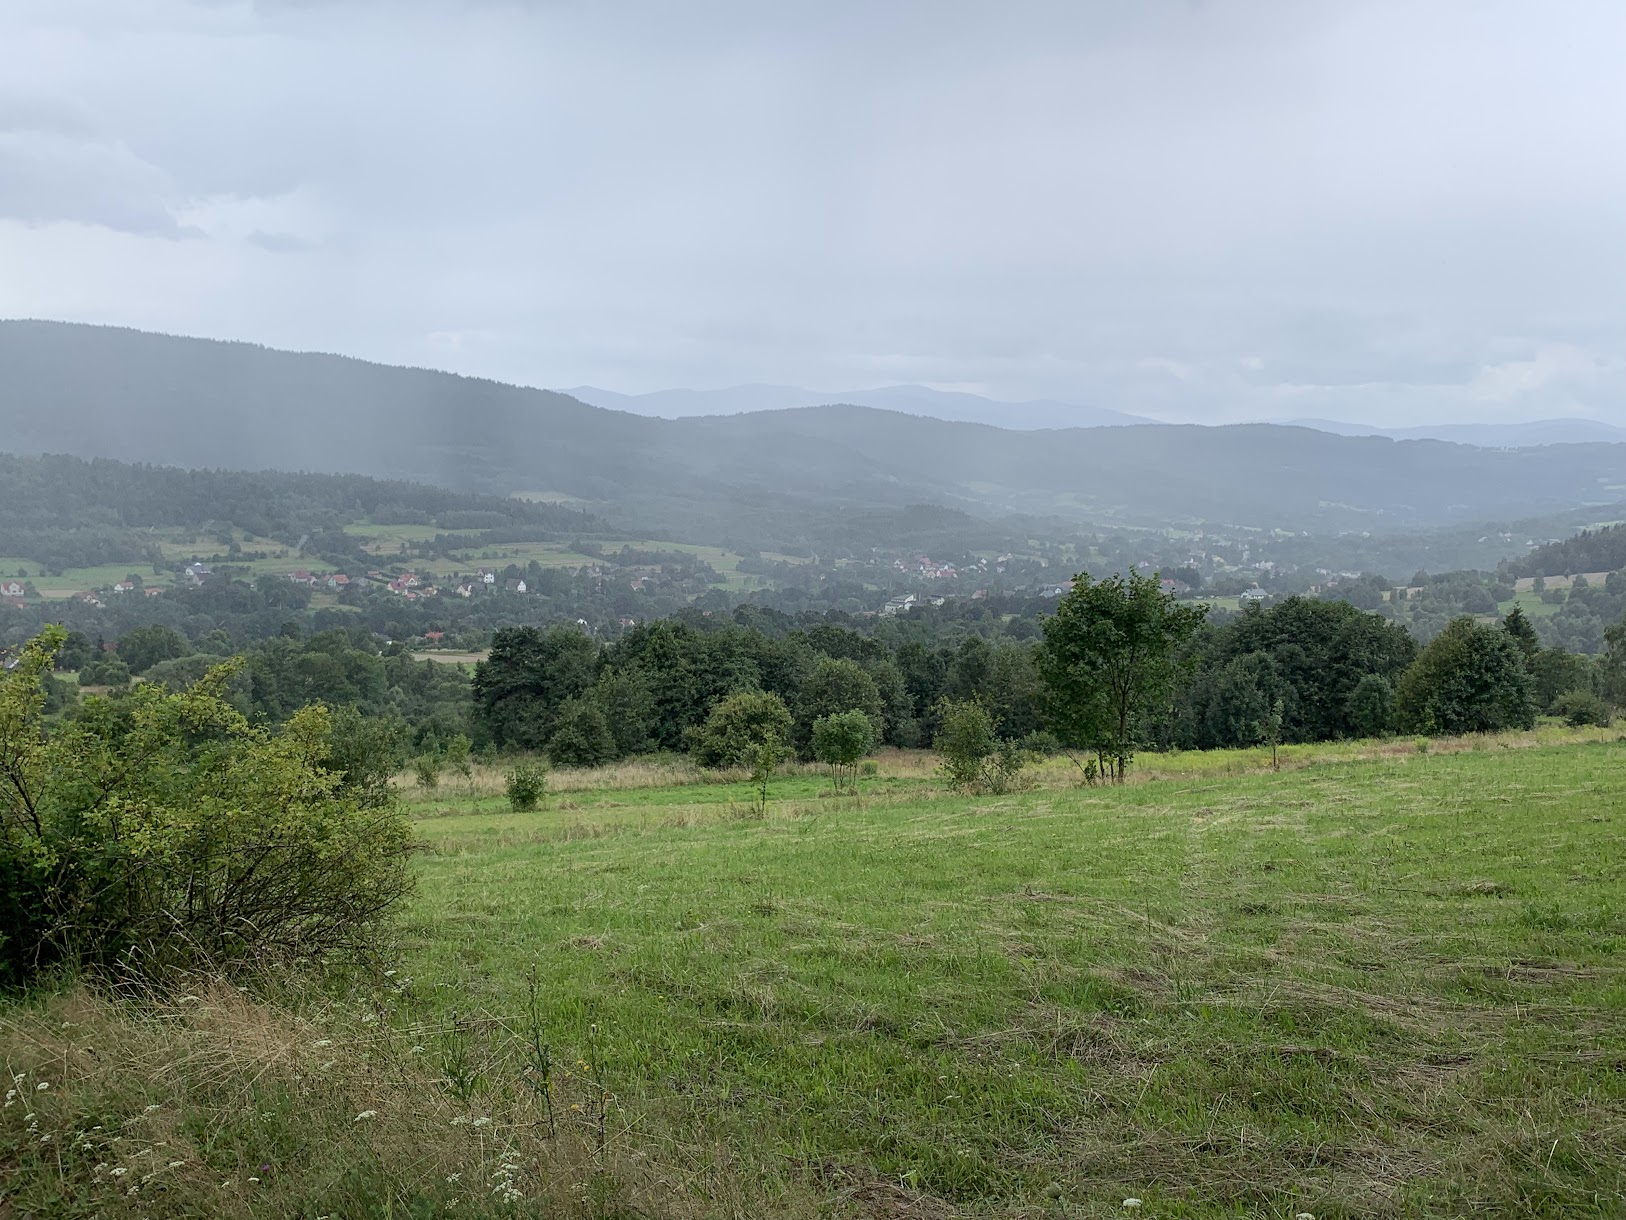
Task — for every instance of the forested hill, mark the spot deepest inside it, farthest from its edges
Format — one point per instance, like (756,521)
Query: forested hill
(1600,550)
(103,392)
(69,512)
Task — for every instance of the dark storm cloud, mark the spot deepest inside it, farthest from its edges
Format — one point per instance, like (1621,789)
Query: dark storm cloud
(1378,210)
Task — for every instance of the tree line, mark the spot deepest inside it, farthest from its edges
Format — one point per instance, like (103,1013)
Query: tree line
(1120,666)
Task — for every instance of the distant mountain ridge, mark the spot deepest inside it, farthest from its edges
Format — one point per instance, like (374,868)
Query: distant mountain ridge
(1048,413)
(953,405)
(95,392)
(1488,436)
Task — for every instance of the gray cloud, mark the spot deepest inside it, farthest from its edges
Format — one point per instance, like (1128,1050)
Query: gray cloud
(1381,210)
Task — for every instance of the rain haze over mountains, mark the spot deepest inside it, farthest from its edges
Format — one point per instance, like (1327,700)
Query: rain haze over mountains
(1388,215)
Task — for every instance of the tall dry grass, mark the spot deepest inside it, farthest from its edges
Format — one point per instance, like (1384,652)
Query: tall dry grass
(221,1104)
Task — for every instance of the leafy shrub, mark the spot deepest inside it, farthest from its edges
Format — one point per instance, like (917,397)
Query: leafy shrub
(456,756)
(581,736)
(738,727)
(966,740)
(427,766)
(105,671)
(161,830)
(1041,742)
(527,781)
(840,740)
(974,756)
(1003,771)
(836,685)
(1582,707)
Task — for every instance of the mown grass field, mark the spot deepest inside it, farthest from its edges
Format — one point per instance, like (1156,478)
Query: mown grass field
(1381,982)
(1381,986)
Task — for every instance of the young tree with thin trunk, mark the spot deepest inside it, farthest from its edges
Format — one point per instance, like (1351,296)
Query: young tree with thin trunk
(1108,656)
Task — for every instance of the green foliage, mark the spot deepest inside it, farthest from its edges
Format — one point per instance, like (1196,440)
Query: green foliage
(629,705)
(975,757)
(1470,679)
(739,726)
(162,830)
(78,650)
(1556,673)
(457,756)
(365,752)
(1109,655)
(144,647)
(1581,707)
(840,741)
(836,685)
(104,670)
(1371,706)
(526,784)
(581,735)
(1310,654)
(966,740)
(427,769)
(528,676)
(1523,633)
(765,757)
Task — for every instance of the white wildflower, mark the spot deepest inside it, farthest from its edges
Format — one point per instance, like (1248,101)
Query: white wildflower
(119,1171)
(176,1164)
(389,974)
(366,1114)
(42,1086)
(1131,1202)
(152,1109)
(482,1121)
(254,1179)
(1305,1216)
(417,1050)
(323,1042)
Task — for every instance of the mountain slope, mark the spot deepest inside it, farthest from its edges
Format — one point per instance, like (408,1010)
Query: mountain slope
(103,392)
(1499,436)
(910,399)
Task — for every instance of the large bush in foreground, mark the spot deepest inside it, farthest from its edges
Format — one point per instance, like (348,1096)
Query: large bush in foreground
(162,830)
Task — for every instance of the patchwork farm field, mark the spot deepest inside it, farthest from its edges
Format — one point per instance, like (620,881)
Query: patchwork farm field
(1383,981)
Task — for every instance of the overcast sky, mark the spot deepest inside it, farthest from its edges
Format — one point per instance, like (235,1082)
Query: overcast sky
(1396,213)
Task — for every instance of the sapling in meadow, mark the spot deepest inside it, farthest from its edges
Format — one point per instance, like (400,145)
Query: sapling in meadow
(840,741)
(526,782)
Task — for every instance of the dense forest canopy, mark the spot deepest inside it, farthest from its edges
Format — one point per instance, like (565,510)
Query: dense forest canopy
(1600,550)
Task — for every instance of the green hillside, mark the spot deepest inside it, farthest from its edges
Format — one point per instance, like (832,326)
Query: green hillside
(96,391)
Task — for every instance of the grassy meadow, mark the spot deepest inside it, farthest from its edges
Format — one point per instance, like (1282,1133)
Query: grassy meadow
(1387,980)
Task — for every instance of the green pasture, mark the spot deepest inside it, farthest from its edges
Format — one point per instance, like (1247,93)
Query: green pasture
(1387,980)
(1531,604)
